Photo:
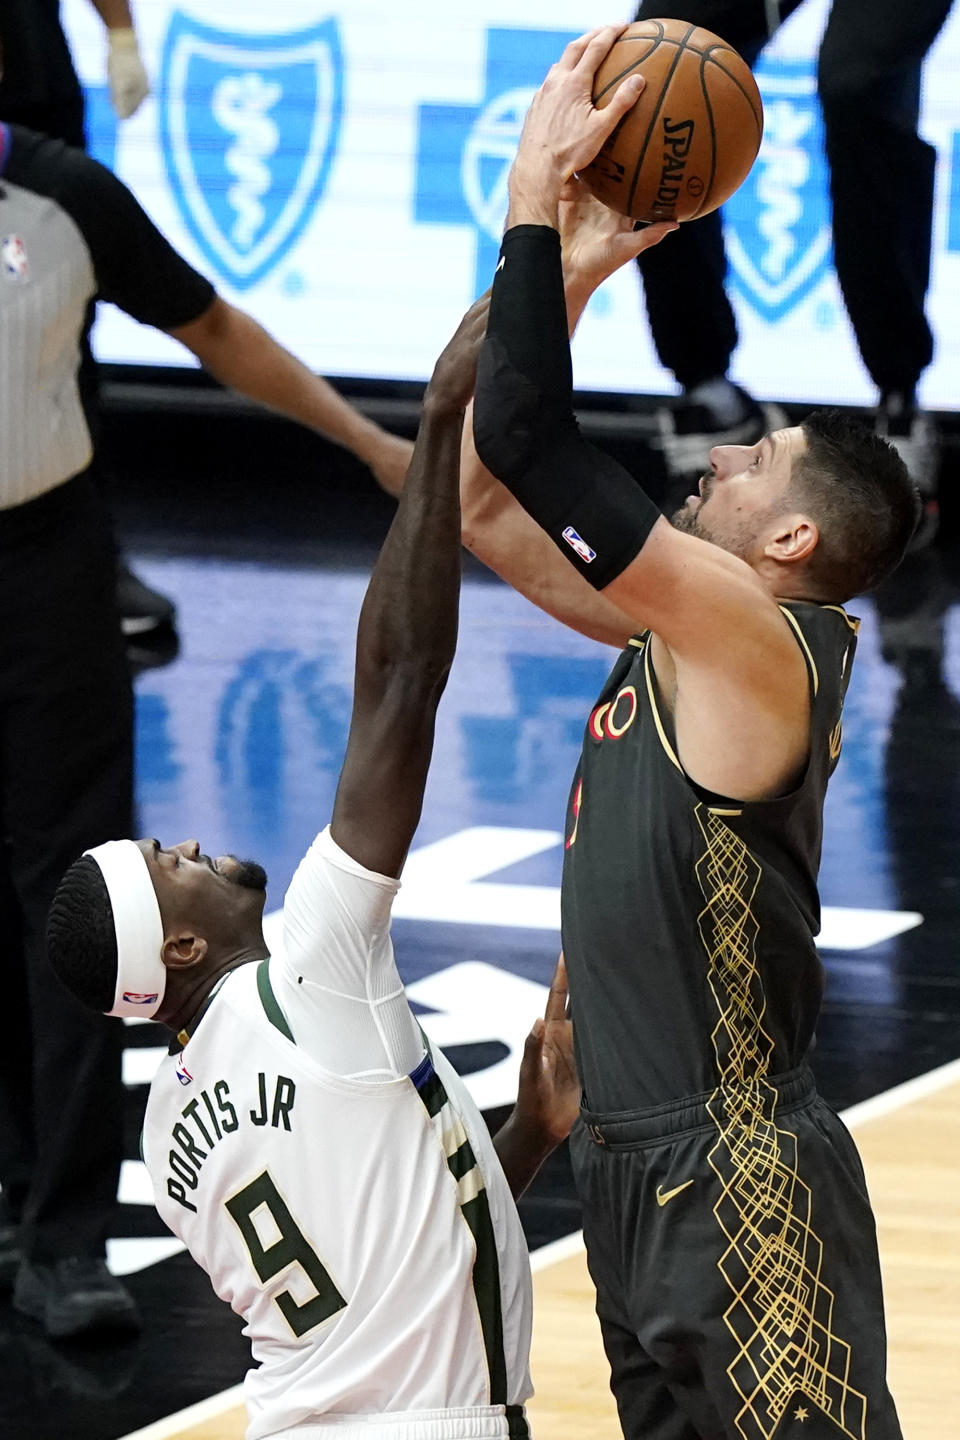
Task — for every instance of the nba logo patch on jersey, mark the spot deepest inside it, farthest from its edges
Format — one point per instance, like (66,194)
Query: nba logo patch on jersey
(577,543)
(183,1074)
(140,997)
(13,257)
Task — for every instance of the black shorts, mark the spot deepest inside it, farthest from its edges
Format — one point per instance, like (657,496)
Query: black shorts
(734,1252)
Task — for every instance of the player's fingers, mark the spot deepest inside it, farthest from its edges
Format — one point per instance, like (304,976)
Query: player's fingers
(653,234)
(556,1007)
(533,1048)
(597,45)
(573,53)
(623,99)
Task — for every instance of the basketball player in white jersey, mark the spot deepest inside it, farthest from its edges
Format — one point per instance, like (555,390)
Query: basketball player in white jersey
(322,1161)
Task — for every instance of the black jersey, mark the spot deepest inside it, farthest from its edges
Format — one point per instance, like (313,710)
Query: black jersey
(689,920)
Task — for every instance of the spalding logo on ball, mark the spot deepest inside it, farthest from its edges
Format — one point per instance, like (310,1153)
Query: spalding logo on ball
(689,141)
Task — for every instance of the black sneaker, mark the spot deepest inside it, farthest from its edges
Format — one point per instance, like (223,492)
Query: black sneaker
(141,609)
(689,431)
(10,1256)
(75,1296)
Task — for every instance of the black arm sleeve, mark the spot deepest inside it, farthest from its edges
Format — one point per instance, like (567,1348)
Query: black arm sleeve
(524,427)
(135,267)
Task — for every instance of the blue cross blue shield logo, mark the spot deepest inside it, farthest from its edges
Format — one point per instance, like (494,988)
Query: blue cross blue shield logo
(464,152)
(777,225)
(953,222)
(249,126)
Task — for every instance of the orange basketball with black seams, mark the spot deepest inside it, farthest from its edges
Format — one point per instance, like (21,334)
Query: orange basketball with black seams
(689,141)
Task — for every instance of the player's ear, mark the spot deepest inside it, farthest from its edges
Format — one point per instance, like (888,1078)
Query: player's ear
(794,537)
(182,951)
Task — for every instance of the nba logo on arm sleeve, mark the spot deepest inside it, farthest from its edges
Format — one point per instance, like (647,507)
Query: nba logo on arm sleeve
(577,543)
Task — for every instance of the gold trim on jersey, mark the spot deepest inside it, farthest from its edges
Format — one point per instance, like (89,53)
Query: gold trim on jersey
(780,1316)
(851,620)
(648,674)
(795,625)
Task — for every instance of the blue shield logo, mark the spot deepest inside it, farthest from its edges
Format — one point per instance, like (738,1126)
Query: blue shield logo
(249,126)
(777,225)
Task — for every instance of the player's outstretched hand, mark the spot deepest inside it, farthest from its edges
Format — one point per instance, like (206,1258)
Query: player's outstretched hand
(455,373)
(549,1091)
(596,241)
(564,130)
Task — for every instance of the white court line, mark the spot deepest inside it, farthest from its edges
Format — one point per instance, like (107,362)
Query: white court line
(900,1095)
(917,1089)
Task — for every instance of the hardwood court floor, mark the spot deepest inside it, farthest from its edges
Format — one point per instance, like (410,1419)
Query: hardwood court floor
(910,1144)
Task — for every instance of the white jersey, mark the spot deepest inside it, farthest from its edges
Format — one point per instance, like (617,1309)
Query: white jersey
(358,1219)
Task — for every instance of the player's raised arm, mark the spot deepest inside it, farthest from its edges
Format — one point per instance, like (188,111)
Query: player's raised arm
(408,628)
(596,242)
(524,426)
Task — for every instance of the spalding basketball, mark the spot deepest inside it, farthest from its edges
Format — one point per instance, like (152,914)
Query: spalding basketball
(689,141)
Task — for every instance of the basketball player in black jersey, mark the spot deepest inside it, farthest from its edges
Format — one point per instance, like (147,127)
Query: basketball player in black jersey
(727,1222)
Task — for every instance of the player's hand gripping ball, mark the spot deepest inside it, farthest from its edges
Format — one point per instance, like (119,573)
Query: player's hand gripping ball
(689,141)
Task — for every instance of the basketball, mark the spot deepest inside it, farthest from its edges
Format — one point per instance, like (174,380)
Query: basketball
(689,141)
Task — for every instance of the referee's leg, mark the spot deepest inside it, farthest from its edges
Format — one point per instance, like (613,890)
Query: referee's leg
(65,784)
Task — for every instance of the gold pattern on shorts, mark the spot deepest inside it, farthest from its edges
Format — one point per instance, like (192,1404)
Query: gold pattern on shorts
(781,1313)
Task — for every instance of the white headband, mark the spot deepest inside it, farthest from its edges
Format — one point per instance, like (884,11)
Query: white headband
(141,973)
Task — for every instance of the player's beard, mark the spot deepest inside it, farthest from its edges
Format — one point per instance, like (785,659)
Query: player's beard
(739,540)
(687,520)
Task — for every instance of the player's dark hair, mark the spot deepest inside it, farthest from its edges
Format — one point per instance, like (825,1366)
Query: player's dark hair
(81,939)
(860,494)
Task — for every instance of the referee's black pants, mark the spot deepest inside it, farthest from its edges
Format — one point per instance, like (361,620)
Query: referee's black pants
(66,783)
(881,185)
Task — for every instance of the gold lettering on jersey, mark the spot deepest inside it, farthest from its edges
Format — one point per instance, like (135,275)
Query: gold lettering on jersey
(836,740)
(612,719)
(595,723)
(617,727)
(577,800)
(209,1117)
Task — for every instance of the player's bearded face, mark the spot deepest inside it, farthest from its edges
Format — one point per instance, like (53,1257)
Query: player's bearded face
(697,517)
(709,517)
